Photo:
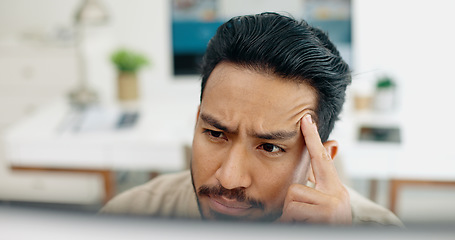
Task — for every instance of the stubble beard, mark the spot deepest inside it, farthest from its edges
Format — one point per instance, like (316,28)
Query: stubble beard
(218,190)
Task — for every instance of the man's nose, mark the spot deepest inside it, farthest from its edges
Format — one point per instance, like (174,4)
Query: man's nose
(234,171)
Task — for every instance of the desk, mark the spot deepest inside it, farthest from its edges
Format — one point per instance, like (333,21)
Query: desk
(49,141)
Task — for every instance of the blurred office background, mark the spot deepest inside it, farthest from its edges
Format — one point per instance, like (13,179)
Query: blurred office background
(73,134)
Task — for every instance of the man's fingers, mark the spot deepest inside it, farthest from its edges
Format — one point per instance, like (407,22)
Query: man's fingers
(305,204)
(292,213)
(323,168)
(329,201)
(302,193)
(336,214)
(301,203)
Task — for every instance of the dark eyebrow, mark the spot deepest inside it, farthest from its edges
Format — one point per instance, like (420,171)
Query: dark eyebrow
(215,123)
(280,135)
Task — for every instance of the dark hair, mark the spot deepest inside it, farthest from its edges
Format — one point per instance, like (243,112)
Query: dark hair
(273,43)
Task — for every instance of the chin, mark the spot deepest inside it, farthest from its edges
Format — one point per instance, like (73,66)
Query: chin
(212,211)
(216,216)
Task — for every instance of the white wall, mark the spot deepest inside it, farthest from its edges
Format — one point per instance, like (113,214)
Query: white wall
(34,15)
(413,41)
(139,24)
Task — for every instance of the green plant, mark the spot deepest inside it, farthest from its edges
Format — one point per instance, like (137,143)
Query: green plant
(126,60)
(385,82)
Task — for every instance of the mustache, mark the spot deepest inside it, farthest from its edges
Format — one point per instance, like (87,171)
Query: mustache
(236,193)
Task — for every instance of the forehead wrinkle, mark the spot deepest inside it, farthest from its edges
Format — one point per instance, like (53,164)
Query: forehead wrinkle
(302,111)
(216,123)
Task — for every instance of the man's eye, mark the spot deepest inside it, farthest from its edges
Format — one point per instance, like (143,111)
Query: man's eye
(215,134)
(268,147)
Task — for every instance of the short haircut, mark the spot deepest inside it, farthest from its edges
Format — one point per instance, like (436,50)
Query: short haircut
(277,44)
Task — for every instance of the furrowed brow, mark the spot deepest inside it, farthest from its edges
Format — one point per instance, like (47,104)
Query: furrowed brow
(280,135)
(215,123)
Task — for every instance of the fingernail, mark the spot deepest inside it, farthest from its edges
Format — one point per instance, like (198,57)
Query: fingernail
(308,118)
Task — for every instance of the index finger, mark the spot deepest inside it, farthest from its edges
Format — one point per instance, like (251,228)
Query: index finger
(323,168)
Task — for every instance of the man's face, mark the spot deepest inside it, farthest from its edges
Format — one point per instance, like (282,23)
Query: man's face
(247,146)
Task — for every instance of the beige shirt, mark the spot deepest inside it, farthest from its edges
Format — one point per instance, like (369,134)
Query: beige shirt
(172,196)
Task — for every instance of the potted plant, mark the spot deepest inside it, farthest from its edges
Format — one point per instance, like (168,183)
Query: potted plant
(128,63)
(385,95)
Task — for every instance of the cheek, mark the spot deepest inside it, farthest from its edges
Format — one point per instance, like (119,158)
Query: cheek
(274,189)
(280,176)
(204,162)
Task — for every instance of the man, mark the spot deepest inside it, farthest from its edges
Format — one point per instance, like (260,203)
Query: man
(272,89)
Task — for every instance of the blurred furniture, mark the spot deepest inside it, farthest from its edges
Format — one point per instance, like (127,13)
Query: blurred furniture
(58,138)
(106,175)
(33,73)
(397,184)
(400,163)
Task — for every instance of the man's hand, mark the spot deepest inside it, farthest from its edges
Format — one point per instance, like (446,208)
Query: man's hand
(328,202)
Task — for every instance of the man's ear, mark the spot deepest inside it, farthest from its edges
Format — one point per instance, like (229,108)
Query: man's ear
(332,149)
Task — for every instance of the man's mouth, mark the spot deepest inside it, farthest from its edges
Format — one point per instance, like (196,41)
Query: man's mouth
(228,206)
